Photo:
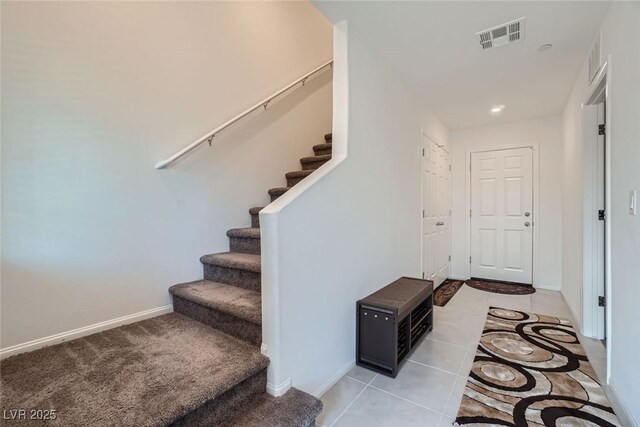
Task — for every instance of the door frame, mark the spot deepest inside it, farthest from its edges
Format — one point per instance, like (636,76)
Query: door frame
(591,319)
(534,145)
(424,136)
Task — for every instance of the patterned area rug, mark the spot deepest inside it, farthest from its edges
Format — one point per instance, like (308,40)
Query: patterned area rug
(500,288)
(446,291)
(530,370)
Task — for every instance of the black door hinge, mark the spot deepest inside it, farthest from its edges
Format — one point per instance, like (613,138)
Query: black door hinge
(601,129)
(601,216)
(601,301)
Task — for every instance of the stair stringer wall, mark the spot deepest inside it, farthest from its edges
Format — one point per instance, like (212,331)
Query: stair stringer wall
(350,228)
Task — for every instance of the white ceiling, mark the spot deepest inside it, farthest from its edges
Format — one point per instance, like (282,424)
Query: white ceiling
(433,46)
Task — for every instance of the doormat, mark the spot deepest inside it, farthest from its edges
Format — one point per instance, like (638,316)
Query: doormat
(500,287)
(530,370)
(443,294)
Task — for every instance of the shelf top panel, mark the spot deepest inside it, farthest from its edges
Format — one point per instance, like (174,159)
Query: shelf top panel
(401,296)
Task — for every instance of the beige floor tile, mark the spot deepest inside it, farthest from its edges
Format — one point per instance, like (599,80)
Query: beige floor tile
(441,355)
(593,347)
(446,421)
(452,333)
(513,302)
(551,303)
(361,374)
(555,310)
(468,361)
(471,320)
(468,305)
(376,408)
(421,384)
(337,399)
(456,396)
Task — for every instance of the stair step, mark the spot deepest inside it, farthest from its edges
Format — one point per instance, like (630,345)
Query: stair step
(231,309)
(314,162)
(255,218)
(293,409)
(245,240)
(241,303)
(239,261)
(322,149)
(164,370)
(328,137)
(277,192)
(295,177)
(233,268)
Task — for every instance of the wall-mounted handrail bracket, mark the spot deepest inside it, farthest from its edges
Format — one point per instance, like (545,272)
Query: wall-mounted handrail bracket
(264,104)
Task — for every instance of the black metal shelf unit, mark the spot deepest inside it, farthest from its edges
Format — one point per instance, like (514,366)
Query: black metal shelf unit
(391,322)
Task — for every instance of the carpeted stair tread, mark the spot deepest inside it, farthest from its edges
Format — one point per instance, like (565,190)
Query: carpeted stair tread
(328,136)
(278,191)
(314,159)
(255,210)
(147,373)
(235,260)
(293,178)
(298,174)
(294,409)
(233,300)
(245,233)
(323,147)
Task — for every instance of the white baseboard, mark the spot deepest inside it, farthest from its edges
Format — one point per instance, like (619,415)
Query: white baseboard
(620,407)
(547,287)
(279,389)
(334,379)
(84,331)
(458,278)
(264,348)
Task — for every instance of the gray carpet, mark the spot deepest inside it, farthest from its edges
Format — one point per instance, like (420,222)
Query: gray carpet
(294,409)
(239,302)
(200,366)
(138,374)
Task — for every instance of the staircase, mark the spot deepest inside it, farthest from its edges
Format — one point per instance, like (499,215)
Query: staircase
(198,366)
(229,299)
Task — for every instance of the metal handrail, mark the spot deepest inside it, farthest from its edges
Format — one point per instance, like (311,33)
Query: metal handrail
(264,103)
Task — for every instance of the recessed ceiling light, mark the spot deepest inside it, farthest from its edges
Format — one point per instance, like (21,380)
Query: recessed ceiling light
(497,109)
(545,47)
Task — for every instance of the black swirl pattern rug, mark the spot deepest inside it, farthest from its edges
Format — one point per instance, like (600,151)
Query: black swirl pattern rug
(443,293)
(530,370)
(500,287)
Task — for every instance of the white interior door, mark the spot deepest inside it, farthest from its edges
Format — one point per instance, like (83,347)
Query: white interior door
(436,202)
(502,215)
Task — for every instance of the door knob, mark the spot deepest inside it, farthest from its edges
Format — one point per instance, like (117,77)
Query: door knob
(527,214)
(526,224)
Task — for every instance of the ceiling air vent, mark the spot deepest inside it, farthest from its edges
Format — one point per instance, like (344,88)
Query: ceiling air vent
(502,34)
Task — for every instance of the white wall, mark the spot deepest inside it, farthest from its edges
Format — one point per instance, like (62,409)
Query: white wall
(352,229)
(546,133)
(93,95)
(572,198)
(621,40)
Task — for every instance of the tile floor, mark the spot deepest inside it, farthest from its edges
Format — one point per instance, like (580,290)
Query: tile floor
(429,387)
